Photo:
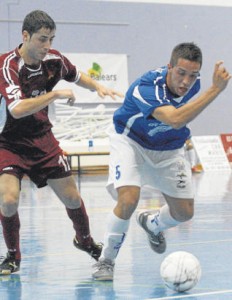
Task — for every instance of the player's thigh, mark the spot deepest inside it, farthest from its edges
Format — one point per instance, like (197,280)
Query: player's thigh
(172,175)
(125,162)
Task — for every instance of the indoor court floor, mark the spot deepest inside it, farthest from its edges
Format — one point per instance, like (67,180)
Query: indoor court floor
(52,269)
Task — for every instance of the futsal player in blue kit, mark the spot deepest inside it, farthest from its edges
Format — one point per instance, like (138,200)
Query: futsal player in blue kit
(147,147)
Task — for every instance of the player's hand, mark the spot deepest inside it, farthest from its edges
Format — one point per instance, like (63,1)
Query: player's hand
(103,91)
(66,94)
(70,101)
(221,76)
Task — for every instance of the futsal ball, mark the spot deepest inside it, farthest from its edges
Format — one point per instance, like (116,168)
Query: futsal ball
(180,271)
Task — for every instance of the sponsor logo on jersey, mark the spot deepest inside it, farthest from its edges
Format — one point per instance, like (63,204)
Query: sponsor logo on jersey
(13,92)
(159,128)
(35,74)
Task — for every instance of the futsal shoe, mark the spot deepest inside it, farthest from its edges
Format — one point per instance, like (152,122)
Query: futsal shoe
(197,168)
(103,270)
(9,264)
(157,241)
(94,250)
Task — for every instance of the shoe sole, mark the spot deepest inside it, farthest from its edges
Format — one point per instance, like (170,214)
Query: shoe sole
(154,246)
(103,278)
(5,272)
(81,249)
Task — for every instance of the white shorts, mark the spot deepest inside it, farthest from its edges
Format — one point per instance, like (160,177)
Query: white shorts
(131,164)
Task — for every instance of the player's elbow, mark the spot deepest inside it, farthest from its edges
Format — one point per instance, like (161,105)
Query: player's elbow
(169,116)
(16,113)
(176,123)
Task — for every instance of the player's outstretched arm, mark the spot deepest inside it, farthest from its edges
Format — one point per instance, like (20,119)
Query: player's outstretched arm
(30,106)
(87,82)
(179,117)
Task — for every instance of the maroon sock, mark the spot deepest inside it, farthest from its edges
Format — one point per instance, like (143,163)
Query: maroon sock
(11,226)
(80,221)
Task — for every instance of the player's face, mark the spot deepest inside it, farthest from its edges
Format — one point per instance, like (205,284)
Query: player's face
(182,76)
(37,45)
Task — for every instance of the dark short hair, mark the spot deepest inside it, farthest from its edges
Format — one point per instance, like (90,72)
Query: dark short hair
(36,20)
(188,51)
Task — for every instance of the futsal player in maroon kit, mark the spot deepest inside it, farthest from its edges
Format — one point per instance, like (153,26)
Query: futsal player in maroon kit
(28,75)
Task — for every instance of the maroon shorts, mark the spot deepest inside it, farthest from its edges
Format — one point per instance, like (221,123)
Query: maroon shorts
(39,158)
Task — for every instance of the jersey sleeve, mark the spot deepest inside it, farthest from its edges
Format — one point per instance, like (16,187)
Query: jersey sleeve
(69,71)
(9,83)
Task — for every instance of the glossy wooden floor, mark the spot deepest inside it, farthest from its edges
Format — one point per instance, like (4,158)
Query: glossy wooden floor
(52,269)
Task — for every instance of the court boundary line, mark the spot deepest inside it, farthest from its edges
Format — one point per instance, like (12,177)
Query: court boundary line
(192,295)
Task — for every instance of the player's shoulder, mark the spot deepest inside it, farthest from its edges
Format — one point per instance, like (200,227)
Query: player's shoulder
(154,76)
(158,73)
(9,58)
(56,56)
(53,53)
(4,55)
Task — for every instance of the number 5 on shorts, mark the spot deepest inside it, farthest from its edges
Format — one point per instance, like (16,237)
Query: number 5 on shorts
(118,173)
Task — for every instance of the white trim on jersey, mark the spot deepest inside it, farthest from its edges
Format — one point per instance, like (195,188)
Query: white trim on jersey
(13,104)
(138,96)
(51,56)
(6,65)
(157,94)
(78,77)
(13,92)
(164,87)
(130,122)
(2,114)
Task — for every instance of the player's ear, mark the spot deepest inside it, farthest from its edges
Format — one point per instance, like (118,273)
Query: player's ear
(26,36)
(169,66)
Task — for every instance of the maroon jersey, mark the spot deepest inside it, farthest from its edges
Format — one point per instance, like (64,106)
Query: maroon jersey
(19,81)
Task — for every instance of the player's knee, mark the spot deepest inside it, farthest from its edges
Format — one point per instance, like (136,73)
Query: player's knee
(188,215)
(184,213)
(128,198)
(9,205)
(126,207)
(72,201)
(130,205)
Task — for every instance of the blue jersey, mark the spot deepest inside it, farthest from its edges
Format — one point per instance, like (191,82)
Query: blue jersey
(134,118)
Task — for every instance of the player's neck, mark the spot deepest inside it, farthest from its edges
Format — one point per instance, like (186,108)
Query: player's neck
(27,59)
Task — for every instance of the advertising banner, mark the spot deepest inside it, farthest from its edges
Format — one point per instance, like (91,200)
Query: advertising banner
(109,69)
(211,153)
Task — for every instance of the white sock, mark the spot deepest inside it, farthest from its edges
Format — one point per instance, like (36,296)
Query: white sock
(161,220)
(114,237)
